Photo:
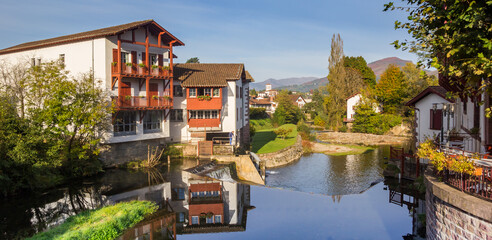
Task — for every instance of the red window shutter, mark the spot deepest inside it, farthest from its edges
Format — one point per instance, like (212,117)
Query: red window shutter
(115,55)
(435,119)
(160,59)
(134,57)
(431,116)
(143,58)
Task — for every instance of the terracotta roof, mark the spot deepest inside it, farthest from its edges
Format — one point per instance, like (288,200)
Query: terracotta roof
(103,32)
(249,77)
(207,74)
(260,101)
(294,97)
(438,90)
(353,95)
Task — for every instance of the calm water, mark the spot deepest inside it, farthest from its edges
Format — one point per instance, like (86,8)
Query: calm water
(317,197)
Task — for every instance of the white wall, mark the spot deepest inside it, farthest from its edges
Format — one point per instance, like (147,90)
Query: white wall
(423,117)
(351,103)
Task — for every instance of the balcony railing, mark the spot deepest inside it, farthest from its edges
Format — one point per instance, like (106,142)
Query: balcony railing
(132,102)
(136,70)
(480,182)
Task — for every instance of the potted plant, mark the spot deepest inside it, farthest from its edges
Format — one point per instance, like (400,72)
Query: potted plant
(128,67)
(114,64)
(165,70)
(141,68)
(155,69)
(155,97)
(167,97)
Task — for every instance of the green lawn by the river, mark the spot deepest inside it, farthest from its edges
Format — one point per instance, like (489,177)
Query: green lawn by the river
(265,141)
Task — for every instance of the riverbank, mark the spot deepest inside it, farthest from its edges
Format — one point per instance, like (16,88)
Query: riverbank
(361,138)
(339,149)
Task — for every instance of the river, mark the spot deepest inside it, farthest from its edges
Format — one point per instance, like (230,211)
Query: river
(317,197)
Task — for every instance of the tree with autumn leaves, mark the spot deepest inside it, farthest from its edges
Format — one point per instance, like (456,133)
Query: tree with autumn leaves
(390,90)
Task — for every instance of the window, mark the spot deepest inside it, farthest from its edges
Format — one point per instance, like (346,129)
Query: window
(194,220)
(241,91)
(208,91)
(176,115)
(218,219)
(178,91)
(178,194)
(237,92)
(216,92)
(435,119)
(38,63)
(192,114)
(210,219)
(192,92)
(125,57)
(125,124)
(152,122)
(33,62)
(204,114)
(153,59)
(180,217)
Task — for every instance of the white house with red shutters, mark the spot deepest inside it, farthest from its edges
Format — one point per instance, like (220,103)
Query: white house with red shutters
(155,100)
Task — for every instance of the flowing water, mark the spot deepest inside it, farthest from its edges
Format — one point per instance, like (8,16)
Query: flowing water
(317,197)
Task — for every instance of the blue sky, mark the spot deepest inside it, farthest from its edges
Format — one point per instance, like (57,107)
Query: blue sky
(273,38)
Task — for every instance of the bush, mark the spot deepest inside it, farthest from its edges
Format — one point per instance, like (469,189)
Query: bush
(282,132)
(319,121)
(366,120)
(252,129)
(257,113)
(305,131)
(343,128)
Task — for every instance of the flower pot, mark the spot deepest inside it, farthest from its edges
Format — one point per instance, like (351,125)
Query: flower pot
(155,71)
(141,71)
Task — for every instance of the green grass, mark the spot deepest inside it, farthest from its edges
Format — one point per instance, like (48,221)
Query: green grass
(357,150)
(265,141)
(104,223)
(261,124)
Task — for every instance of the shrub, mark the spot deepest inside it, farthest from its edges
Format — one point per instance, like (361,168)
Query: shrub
(305,131)
(343,128)
(252,129)
(366,120)
(282,132)
(257,113)
(319,121)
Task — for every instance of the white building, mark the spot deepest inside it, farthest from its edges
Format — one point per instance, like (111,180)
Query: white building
(133,62)
(352,102)
(459,123)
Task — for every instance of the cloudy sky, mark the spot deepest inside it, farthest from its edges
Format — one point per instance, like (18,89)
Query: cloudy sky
(273,38)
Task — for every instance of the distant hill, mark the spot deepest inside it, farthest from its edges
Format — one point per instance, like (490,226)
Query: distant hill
(307,86)
(379,66)
(277,83)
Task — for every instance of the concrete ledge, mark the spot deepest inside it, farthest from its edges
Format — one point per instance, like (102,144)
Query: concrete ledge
(466,202)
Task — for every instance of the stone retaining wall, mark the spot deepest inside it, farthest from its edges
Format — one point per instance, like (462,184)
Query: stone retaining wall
(452,214)
(284,156)
(118,153)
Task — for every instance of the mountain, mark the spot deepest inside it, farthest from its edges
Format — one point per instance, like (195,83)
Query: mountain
(379,66)
(276,83)
(307,86)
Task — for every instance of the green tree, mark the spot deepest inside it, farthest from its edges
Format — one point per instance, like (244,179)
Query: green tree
(360,64)
(391,89)
(366,120)
(286,111)
(454,37)
(342,82)
(193,60)
(253,92)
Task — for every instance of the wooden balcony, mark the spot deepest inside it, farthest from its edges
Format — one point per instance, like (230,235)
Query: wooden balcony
(202,104)
(204,123)
(141,103)
(140,72)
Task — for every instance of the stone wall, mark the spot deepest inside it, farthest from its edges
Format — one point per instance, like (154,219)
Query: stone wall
(118,153)
(223,150)
(452,214)
(284,156)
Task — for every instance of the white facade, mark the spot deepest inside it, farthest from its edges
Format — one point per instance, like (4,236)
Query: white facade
(423,110)
(352,103)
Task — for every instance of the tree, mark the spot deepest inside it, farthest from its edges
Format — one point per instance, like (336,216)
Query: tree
(253,92)
(391,89)
(286,112)
(342,82)
(193,60)
(417,79)
(454,37)
(366,120)
(335,101)
(360,64)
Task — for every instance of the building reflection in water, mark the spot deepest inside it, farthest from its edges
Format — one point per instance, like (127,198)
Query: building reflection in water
(188,203)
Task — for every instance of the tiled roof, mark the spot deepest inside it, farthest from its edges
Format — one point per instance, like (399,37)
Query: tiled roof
(207,74)
(103,32)
(260,101)
(440,91)
(249,77)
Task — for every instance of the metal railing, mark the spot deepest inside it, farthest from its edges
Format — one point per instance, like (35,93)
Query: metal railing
(479,183)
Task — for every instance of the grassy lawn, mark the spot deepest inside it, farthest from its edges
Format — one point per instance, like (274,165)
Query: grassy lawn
(104,223)
(265,141)
(357,149)
(261,124)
